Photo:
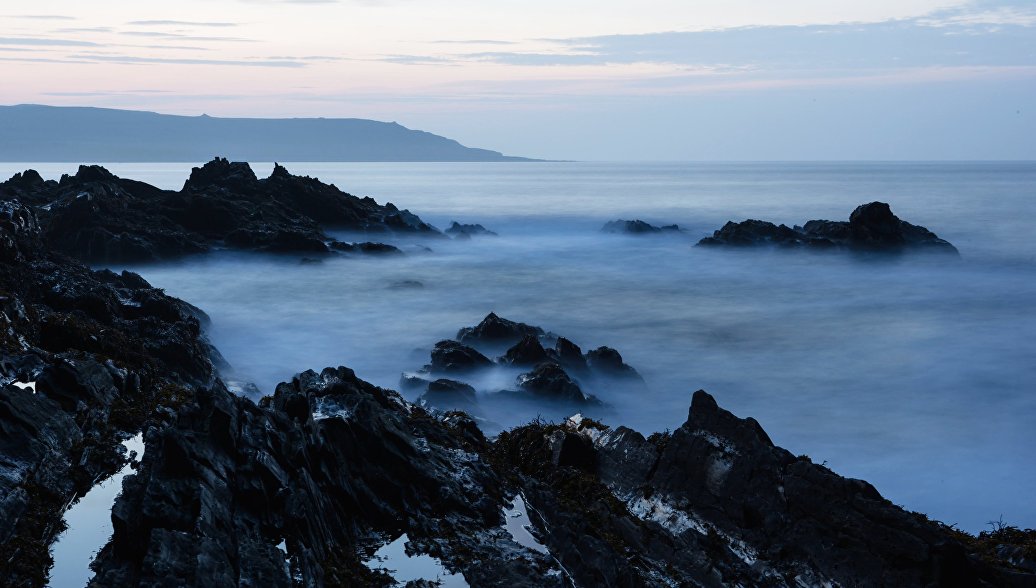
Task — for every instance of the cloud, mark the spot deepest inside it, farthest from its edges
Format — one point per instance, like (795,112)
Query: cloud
(86,30)
(182,37)
(134,60)
(180,23)
(43,17)
(475,42)
(893,44)
(45,42)
(418,60)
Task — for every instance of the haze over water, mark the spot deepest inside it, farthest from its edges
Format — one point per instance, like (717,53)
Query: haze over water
(916,374)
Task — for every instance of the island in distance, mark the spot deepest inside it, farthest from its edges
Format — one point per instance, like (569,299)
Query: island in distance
(74,134)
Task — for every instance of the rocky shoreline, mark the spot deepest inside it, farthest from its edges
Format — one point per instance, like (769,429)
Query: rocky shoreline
(301,488)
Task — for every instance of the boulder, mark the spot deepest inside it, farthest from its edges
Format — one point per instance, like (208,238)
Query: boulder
(496,330)
(452,357)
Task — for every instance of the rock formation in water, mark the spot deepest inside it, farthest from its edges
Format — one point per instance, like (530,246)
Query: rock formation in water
(100,218)
(463,231)
(302,488)
(637,227)
(871,228)
(544,368)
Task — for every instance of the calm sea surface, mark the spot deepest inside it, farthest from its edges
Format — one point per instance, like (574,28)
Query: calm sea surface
(918,375)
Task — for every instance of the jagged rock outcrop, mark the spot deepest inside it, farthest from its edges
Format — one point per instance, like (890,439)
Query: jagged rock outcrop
(467,231)
(331,468)
(101,218)
(637,227)
(871,228)
(87,358)
(545,370)
(329,465)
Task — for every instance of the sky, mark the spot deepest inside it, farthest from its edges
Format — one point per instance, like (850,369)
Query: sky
(562,79)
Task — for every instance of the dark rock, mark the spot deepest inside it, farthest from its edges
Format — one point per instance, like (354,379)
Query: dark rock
(366,247)
(550,381)
(753,233)
(446,394)
(406,285)
(570,356)
(496,330)
(412,383)
(527,352)
(452,357)
(607,361)
(217,491)
(101,218)
(871,228)
(458,230)
(636,227)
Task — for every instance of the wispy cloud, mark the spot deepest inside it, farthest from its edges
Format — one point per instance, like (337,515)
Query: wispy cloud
(43,17)
(418,60)
(895,44)
(85,30)
(134,59)
(474,42)
(180,23)
(183,37)
(45,42)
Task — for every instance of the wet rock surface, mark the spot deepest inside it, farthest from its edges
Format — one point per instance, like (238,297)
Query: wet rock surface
(871,228)
(335,468)
(101,218)
(105,354)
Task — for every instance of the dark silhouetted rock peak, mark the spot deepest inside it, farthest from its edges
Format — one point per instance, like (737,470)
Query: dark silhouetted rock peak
(494,329)
(221,172)
(94,173)
(279,171)
(875,225)
(607,361)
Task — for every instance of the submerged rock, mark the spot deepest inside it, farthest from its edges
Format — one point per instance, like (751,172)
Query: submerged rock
(463,231)
(554,371)
(637,227)
(871,228)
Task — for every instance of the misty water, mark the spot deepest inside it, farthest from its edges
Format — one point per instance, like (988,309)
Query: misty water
(917,374)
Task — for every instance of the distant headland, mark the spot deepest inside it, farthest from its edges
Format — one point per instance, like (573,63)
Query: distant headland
(36,133)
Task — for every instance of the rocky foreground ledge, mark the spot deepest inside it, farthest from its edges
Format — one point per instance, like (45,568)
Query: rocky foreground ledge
(330,468)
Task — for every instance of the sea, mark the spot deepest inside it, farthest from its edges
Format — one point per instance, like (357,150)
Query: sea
(915,373)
